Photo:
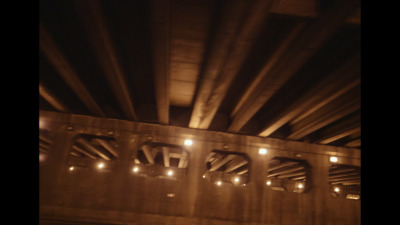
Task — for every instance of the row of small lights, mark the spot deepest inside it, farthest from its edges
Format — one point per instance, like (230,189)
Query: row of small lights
(188,142)
(219,183)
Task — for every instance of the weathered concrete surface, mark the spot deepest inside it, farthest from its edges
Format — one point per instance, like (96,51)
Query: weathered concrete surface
(120,197)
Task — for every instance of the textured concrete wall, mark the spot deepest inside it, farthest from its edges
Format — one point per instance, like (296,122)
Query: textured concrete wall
(118,196)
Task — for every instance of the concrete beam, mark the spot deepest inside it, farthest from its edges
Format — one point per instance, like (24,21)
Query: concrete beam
(106,145)
(84,152)
(339,108)
(92,17)
(332,86)
(221,162)
(166,158)
(301,49)
(282,165)
(230,47)
(183,160)
(41,145)
(236,164)
(308,9)
(160,14)
(147,152)
(291,170)
(340,135)
(88,146)
(301,173)
(52,99)
(354,143)
(44,138)
(242,171)
(67,73)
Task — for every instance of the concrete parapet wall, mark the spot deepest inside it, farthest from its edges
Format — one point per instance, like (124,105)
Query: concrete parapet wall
(117,196)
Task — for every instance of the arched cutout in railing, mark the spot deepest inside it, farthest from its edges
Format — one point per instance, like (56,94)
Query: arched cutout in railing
(89,150)
(162,160)
(345,181)
(227,167)
(45,141)
(286,174)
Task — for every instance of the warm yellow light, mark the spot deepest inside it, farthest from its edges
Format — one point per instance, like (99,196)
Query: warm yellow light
(237,179)
(268,183)
(262,151)
(336,189)
(170,172)
(71,168)
(41,123)
(333,159)
(42,157)
(135,169)
(204,176)
(300,186)
(171,195)
(100,165)
(219,183)
(188,142)
(350,196)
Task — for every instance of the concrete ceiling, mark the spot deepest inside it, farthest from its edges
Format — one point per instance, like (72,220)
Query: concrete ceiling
(283,69)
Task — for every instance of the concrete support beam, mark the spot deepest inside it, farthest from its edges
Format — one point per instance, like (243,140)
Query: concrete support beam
(183,160)
(301,173)
(215,166)
(282,165)
(52,99)
(84,152)
(307,8)
(75,154)
(41,145)
(291,170)
(88,146)
(166,158)
(230,47)
(242,171)
(340,135)
(236,164)
(326,100)
(332,86)
(100,38)
(106,145)
(160,14)
(354,143)
(60,63)
(303,47)
(147,152)
(339,108)
(44,138)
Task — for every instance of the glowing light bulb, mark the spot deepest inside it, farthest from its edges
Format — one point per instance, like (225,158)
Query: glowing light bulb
(171,195)
(300,186)
(135,169)
(237,179)
(170,172)
(204,176)
(333,159)
(100,165)
(268,183)
(219,183)
(337,189)
(71,168)
(188,142)
(42,157)
(262,151)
